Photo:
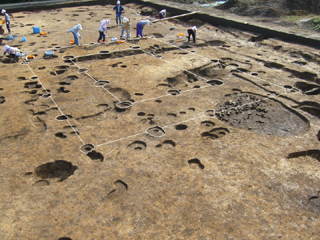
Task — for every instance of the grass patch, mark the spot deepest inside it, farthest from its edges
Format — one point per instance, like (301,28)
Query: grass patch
(295,18)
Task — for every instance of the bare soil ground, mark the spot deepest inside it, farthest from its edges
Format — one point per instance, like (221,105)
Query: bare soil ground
(157,137)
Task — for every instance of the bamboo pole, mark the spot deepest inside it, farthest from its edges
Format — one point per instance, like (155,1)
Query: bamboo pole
(177,16)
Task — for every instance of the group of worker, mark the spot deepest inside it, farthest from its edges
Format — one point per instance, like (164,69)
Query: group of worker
(125,26)
(124,22)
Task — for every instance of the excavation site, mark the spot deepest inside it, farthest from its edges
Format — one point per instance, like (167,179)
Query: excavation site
(157,137)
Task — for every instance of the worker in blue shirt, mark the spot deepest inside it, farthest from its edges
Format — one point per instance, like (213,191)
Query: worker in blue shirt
(75,31)
(119,10)
(140,26)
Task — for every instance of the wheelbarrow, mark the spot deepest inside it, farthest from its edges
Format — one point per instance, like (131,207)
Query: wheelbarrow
(9,38)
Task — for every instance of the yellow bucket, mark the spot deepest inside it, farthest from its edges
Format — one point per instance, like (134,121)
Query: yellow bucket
(3,21)
(30,57)
(43,33)
(180,34)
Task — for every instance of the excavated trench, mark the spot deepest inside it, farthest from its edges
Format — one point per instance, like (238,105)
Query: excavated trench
(198,101)
(261,114)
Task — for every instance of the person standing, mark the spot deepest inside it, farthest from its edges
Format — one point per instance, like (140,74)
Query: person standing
(7,19)
(140,26)
(103,29)
(75,31)
(119,10)
(125,27)
(163,13)
(192,31)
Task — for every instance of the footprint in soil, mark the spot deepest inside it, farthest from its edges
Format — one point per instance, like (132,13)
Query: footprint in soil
(121,188)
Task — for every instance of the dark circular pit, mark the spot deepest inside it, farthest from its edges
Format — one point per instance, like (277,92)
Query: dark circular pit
(215,82)
(173,92)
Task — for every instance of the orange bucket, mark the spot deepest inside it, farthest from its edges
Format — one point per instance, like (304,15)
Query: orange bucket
(71,41)
(30,57)
(180,34)
(3,21)
(44,33)
(120,41)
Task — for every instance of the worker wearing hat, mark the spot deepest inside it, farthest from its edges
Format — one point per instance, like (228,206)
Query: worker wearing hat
(7,18)
(140,26)
(103,29)
(75,31)
(125,27)
(162,13)
(12,51)
(119,10)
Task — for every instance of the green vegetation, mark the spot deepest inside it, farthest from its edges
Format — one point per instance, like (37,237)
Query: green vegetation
(316,22)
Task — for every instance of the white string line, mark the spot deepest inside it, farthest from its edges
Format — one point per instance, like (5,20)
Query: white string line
(149,53)
(154,98)
(221,63)
(99,145)
(148,99)
(96,81)
(184,91)
(167,95)
(191,119)
(179,48)
(61,112)
(55,47)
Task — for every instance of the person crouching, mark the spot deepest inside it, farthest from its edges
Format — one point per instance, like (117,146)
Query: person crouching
(75,31)
(140,26)
(192,31)
(13,52)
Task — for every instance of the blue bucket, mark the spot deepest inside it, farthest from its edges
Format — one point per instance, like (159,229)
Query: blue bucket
(36,30)
(23,39)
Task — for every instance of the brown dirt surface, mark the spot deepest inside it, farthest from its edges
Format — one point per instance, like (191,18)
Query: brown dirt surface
(157,137)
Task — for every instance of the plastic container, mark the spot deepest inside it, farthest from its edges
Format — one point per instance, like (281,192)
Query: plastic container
(44,33)
(36,30)
(180,34)
(23,39)
(30,56)
(113,39)
(3,22)
(49,53)
(120,41)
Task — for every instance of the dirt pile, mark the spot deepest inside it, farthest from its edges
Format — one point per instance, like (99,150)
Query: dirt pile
(258,8)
